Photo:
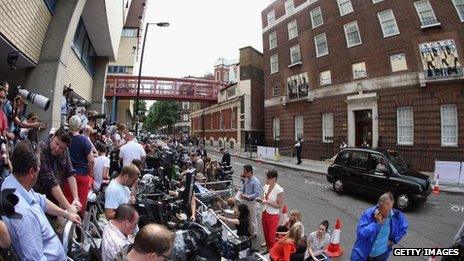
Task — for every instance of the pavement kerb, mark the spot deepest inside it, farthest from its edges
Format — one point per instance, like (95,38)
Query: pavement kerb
(450,189)
(274,163)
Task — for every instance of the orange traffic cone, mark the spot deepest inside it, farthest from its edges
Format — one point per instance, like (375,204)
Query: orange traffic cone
(334,249)
(436,188)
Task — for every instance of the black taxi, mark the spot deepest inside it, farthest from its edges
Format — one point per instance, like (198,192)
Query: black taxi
(372,172)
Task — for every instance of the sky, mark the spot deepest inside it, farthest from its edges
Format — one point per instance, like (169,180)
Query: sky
(200,32)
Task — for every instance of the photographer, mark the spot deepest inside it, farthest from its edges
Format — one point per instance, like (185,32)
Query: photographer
(82,159)
(31,132)
(152,242)
(87,131)
(65,105)
(19,114)
(118,192)
(118,136)
(197,162)
(119,232)
(32,236)
(225,160)
(131,150)
(55,170)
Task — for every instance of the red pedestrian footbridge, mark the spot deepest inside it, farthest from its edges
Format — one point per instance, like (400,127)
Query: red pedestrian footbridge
(162,88)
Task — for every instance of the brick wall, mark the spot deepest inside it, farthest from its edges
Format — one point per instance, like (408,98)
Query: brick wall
(425,102)
(24,23)
(374,50)
(251,68)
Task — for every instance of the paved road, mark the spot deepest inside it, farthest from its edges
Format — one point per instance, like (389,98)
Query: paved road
(431,224)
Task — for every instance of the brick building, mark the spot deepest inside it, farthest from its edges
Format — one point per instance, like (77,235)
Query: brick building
(226,71)
(387,71)
(237,118)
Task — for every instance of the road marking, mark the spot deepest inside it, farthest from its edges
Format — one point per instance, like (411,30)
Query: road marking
(457,208)
(313,183)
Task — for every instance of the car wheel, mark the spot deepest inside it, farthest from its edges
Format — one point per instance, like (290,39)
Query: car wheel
(339,186)
(403,200)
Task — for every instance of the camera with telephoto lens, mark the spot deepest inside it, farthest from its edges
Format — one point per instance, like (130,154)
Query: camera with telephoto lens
(36,99)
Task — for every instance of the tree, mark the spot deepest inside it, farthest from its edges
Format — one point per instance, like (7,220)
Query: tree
(160,114)
(142,106)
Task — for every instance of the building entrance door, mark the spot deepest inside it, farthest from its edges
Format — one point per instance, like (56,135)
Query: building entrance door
(363,121)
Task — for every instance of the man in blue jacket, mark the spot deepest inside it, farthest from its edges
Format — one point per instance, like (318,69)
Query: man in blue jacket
(379,228)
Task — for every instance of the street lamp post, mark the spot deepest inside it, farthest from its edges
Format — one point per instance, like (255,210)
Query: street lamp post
(163,24)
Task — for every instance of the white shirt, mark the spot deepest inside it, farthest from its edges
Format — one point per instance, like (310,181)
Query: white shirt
(131,151)
(272,197)
(116,195)
(113,241)
(101,162)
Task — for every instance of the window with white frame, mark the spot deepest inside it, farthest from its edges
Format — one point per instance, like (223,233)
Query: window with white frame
(185,117)
(298,127)
(185,105)
(376,1)
(272,40)
(353,37)
(405,126)
(275,90)
(316,17)
(449,125)
(398,62)
(292,29)
(327,127)
(345,7)
(388,23)
(274,63)
(359,70)
(320,41)
(295,56)
(276,129)
(459,5)
(426,14)
(289,7)
(271,18)
(325,78)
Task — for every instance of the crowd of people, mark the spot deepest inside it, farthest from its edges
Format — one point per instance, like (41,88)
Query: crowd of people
(52,173)
(52,178)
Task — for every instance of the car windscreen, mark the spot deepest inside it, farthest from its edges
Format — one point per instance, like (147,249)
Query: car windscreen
(397,161)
